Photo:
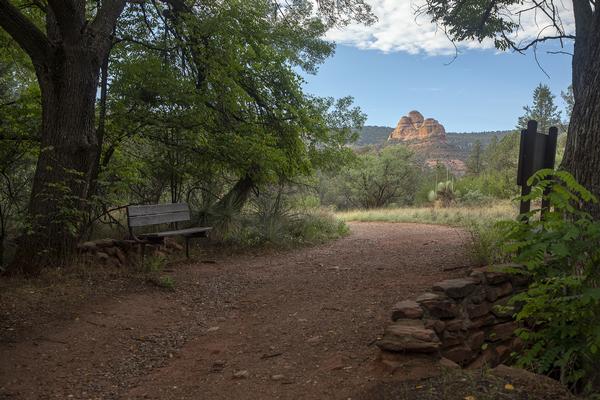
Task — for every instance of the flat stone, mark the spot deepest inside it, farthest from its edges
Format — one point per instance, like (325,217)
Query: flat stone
(406,309)
(446,363)
(452,338)
(104,242)
(460,354)
(456,324)
(87,246)
(486,320)
(502,309)
(476,340)
(435,324)
(443,308)
(487,358)
(456,288)
(428,296)
(502,331)
(478,310)
(495,292)
(409,336)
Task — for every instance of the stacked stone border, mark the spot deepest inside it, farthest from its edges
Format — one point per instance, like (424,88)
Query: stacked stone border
(467,320)
(122,253)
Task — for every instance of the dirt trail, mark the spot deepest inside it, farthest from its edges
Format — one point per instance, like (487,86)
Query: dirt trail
(297,324)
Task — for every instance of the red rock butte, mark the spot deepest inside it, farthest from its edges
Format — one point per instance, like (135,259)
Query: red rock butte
(415,127)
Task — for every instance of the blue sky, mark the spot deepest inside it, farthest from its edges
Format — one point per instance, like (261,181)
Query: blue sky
(481,90)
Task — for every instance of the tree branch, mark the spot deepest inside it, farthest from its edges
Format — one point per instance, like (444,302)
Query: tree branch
(70,17)
(24,32)
(102,27)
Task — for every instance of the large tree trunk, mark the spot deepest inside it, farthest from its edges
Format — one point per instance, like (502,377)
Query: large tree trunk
(67,59)
(582,152)
(69,149)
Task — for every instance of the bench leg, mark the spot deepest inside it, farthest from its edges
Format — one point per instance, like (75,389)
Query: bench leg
(187,247)
(143,251)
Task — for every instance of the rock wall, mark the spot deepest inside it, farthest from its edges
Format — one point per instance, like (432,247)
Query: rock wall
(120,253)
(468,320)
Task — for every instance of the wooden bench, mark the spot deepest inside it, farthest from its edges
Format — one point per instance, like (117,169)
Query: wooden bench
(155,214)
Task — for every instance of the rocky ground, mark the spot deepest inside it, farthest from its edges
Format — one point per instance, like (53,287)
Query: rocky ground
(288,325)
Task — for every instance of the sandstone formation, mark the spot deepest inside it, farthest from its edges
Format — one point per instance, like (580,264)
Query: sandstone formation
(416,127)
(468,321)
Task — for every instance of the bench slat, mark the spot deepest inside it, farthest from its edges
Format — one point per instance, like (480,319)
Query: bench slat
(155,219)
(151,209)
(182,232)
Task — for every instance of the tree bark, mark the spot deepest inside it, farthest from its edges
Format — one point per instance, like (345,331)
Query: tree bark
(582,152)
(68,153)
(67,61)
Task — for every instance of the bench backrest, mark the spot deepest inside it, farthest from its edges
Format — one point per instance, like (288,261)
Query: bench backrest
(157,214)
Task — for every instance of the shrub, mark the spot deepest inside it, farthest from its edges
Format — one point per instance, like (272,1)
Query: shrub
(561,308)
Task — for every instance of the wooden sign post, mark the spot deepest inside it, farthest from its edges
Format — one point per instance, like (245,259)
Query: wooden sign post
(537,151)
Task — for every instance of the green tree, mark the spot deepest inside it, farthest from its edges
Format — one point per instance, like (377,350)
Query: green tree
(475,161)
(381,178)
(569,100)
(70,42)
(543,110)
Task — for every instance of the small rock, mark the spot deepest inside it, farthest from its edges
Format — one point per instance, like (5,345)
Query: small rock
(102,257)
(243,374)
(314,339)
(277,377)
(218,366)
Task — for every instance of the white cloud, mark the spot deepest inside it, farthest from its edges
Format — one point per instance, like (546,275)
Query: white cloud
(399,30)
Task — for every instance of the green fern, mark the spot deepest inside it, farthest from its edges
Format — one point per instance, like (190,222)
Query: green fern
(561,308)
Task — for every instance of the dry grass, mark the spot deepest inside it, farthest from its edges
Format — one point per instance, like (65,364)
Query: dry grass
(454,216)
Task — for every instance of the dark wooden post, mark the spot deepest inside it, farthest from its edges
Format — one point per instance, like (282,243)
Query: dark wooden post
(549,160)
(526,157)
(537,151)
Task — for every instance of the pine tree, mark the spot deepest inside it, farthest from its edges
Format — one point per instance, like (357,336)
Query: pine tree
(543,110)
(474,163)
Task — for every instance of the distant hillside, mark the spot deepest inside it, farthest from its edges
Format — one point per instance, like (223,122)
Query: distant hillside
(465,141)
(371,134)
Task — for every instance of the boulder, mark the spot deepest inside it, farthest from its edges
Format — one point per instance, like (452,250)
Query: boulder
(408,335)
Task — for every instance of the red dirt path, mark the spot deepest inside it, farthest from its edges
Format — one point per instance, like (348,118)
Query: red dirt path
(294,324)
